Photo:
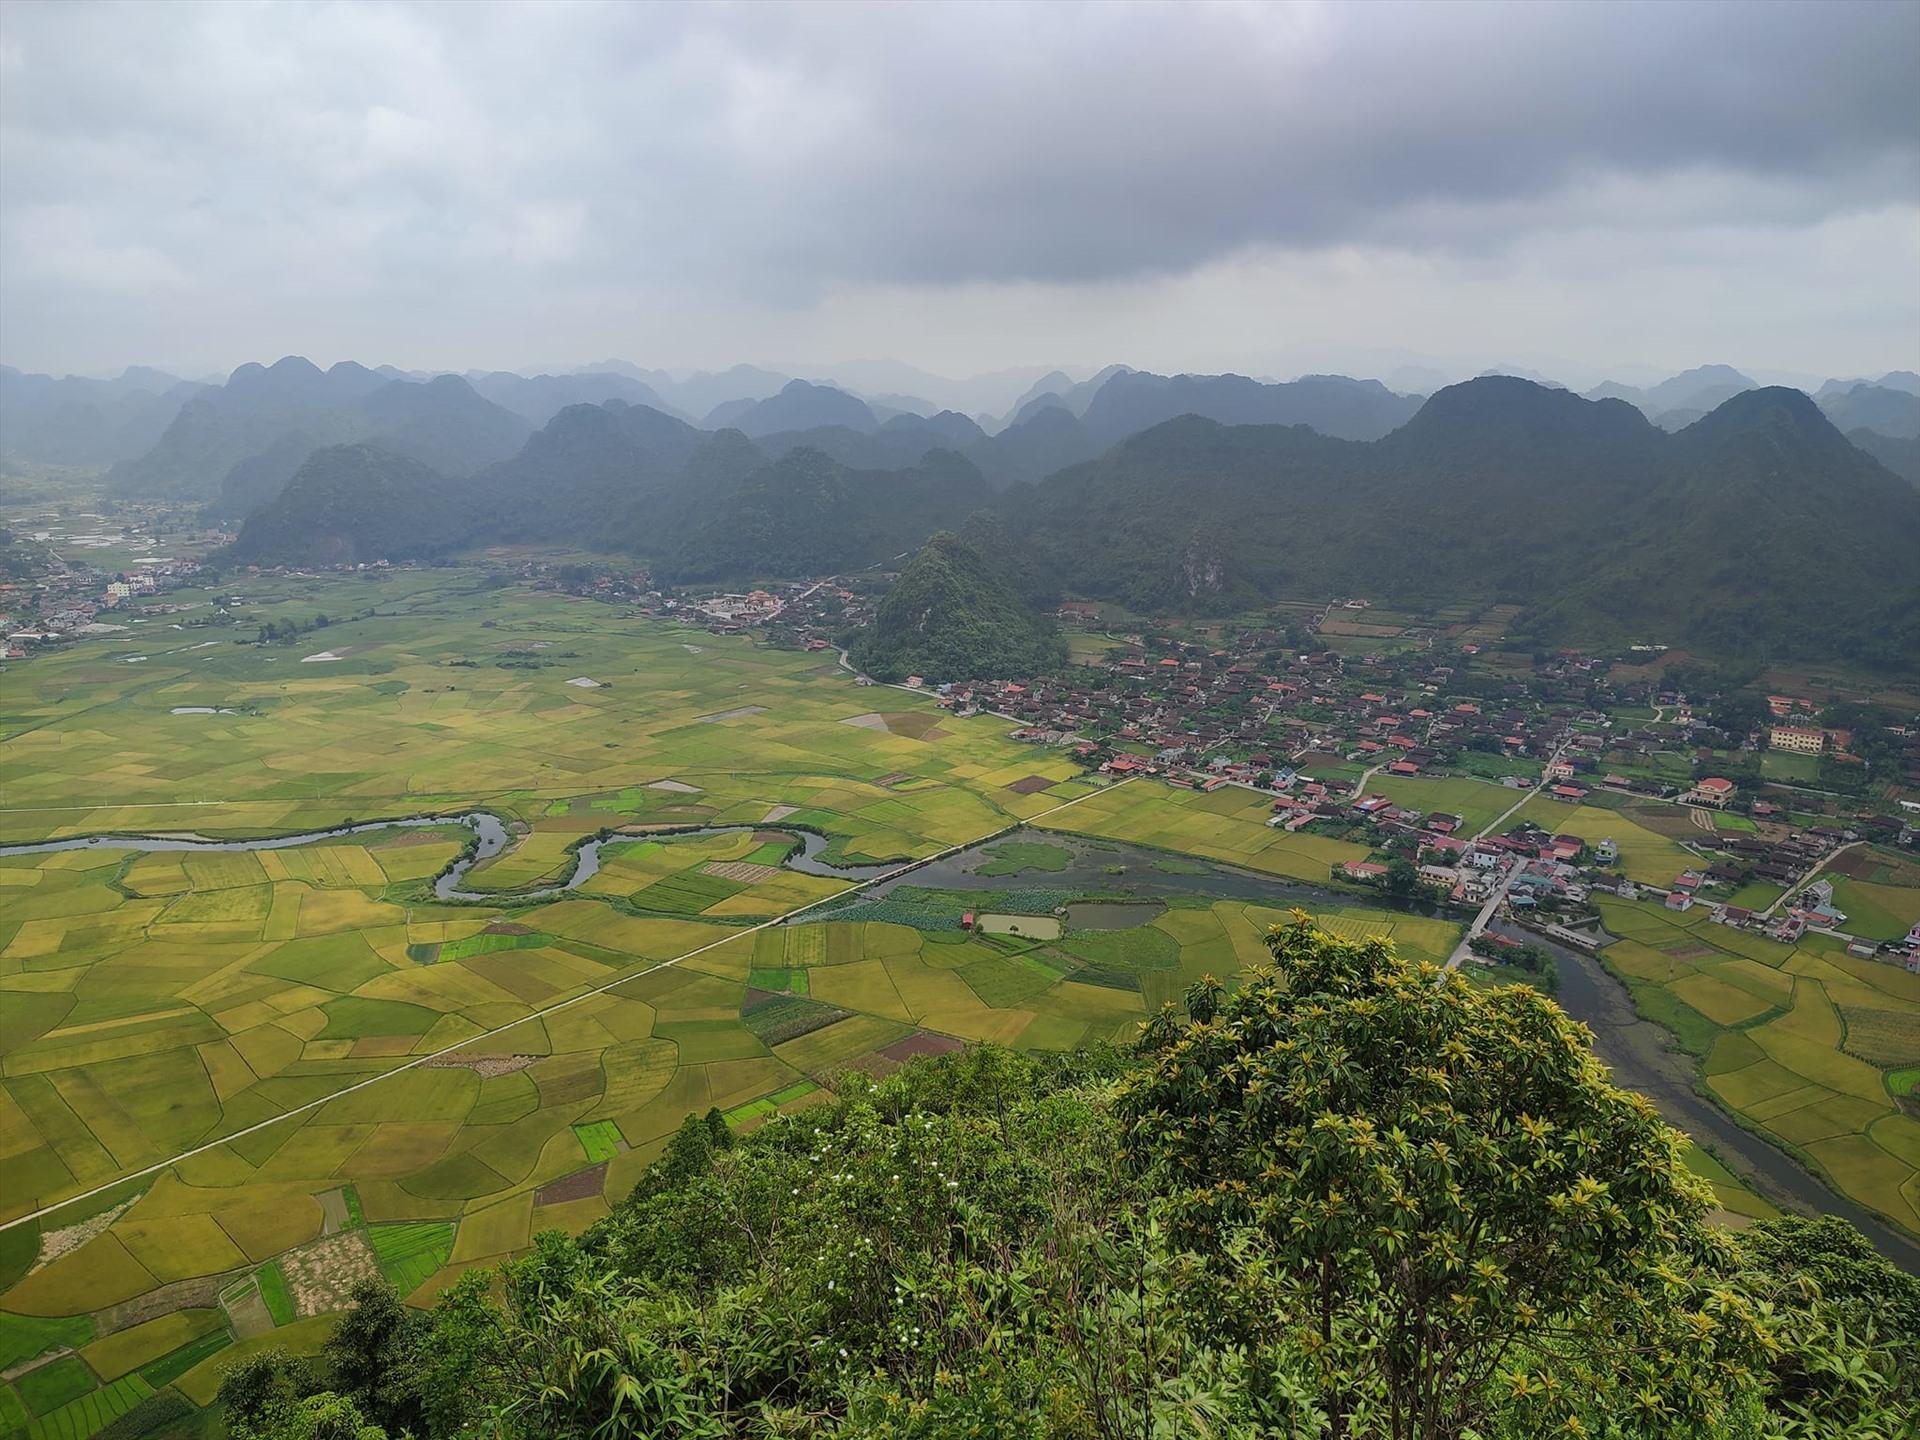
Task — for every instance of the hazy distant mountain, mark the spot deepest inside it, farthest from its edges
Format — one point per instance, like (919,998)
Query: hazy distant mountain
(800,405)
(1900,455)
(1879,408)
(886,406)
(538,398)
(1416,380)
(1057,389)
(223,425)
(1903,380)
(1331,404)
(442,423)
(700,393)
(991,392)
(1680,399)
(76,420)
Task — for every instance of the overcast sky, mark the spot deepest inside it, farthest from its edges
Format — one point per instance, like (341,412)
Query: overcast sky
(1270,188)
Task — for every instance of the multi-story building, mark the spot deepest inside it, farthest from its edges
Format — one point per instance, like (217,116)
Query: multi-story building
(1798,739)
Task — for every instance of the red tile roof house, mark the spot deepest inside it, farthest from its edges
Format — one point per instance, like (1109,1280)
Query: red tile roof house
(1363,869)
(1403,767)
(1443,823)
(1679,900)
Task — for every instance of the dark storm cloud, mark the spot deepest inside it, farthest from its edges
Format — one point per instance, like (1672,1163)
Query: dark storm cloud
(230,172)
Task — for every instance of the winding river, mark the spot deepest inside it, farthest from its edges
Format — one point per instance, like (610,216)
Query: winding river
(1641,1054)
(491,836)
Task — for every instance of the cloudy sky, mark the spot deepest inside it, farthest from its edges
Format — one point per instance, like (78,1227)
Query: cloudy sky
(1588,189)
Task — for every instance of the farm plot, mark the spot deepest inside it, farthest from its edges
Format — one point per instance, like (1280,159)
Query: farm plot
(1228,825)
(1807,1043)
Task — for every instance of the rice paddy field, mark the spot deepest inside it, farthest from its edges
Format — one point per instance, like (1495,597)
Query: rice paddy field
(1478,803)
(456,694)
(1229,825)
(233,1083)
(1805,1044)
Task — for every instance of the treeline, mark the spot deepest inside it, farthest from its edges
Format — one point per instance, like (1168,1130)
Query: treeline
(1350,1199)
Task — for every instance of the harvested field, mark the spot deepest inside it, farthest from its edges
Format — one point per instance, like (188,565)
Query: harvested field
(580,1185)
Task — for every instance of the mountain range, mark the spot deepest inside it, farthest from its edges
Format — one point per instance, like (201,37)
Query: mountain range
(1602,524)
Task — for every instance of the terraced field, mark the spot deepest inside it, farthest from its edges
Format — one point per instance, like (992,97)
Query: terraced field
(1805,1043)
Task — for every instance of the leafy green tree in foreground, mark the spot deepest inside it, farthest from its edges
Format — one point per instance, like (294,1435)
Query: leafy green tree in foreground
(1434,1192)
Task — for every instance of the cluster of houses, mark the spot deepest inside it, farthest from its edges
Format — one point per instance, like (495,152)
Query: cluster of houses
(67,602)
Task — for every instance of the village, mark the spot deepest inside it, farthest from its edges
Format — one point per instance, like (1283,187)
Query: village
(1329,735)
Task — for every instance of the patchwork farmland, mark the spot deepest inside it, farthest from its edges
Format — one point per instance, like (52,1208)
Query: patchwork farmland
(1804,1043)
(361,1079)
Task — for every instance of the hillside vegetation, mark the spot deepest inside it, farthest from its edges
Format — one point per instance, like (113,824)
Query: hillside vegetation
(952,616)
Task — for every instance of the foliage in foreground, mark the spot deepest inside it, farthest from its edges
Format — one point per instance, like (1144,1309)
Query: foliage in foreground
(1351,1198)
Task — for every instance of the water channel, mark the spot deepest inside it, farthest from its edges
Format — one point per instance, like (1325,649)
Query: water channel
(1641,1054)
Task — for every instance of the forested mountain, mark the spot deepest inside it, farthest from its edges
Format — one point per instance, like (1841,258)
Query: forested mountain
(1332,404)
(953,616)
(1879,408)
(1502,488)
(896,445)
(1604,526)
(74,420)
(806,514)
(354,503)
(591,467)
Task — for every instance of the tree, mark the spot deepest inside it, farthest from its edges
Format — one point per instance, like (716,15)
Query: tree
(1435,1192)
(368,1354)
(261,1384)
(324,1416)
(1401,877)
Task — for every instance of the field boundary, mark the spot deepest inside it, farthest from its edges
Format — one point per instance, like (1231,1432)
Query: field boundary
(419,1060)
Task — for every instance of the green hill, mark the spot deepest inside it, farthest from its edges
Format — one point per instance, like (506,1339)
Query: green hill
(354,503)
(951,616)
